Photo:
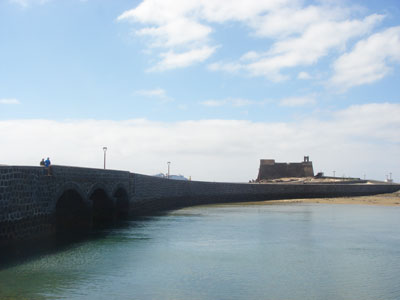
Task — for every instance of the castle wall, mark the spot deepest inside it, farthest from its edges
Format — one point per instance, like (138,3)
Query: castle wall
(271,170)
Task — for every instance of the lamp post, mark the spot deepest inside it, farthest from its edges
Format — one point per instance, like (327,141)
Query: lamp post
(169,163)
(105,150)
(334,173)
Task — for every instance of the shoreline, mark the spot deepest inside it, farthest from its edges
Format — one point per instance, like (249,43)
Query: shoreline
(392,199)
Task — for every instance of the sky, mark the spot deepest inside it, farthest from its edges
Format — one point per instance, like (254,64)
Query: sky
(210,86)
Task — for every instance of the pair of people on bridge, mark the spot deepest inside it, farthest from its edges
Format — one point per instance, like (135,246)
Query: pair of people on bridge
(47,164)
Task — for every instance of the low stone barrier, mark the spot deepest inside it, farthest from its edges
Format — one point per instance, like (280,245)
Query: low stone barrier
(32,204)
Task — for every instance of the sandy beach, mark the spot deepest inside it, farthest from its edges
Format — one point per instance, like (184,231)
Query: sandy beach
(392,199)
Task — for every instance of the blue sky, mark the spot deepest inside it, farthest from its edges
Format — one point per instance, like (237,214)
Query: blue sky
(212,86)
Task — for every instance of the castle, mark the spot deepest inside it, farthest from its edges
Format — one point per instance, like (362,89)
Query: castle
(269,169)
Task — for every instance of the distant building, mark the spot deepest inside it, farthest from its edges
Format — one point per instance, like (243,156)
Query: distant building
(175,177)
(269,169)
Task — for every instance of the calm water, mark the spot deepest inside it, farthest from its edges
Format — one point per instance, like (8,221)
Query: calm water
(290,251)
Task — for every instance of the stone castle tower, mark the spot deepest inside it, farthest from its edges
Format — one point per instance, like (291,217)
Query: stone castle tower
(269,169)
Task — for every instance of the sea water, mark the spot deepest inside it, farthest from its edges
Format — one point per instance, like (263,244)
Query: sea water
(239,251)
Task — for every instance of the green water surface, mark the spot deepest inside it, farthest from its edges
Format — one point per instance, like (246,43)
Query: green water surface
(289,251)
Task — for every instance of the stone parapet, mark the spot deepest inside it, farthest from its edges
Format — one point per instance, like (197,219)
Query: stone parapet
(33,205)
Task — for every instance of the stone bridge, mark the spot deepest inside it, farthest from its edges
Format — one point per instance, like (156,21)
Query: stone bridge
(34,205)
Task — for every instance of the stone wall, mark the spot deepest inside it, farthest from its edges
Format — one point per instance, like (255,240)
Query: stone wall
(269,169)
(28,198)
(152,193)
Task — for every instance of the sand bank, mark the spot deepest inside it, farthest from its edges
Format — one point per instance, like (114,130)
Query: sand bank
(392,199)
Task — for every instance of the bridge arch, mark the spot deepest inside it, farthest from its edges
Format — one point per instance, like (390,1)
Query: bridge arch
(121,197)
(103,206)
(72,212)
(71,186)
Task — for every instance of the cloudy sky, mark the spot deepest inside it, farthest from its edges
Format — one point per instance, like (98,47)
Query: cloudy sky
(212,86)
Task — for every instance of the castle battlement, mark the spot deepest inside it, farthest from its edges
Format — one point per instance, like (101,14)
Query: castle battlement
(269,169)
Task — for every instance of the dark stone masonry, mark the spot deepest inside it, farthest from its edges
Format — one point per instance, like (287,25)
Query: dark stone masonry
(33,205)
(269,169)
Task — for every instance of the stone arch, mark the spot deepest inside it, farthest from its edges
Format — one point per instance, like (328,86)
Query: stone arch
(71,212)
(103,207)
(121,202)
(72,186)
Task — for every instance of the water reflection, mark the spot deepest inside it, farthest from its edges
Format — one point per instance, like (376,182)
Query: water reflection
(295,251)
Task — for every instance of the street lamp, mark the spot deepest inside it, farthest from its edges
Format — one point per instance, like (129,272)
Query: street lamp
(334,173)
(169,163)
(105,150)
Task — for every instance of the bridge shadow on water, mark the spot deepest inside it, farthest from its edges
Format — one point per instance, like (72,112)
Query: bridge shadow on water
(24,252)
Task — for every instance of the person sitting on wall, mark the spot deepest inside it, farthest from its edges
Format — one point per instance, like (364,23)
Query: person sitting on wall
(47,165)
(42,162)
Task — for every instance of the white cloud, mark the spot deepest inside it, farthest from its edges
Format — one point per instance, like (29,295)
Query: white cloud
(158,92)
(26,3)
(304,76)
(369,60)
(172,60)
(300,34)
(236,102)
(250,56)
(213,103)
(357,140)
(239,102)
(176,33)
(315,42)
(163,11)
(297,101)
(226,67)
(172,25)
(9,101)
(293,19)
